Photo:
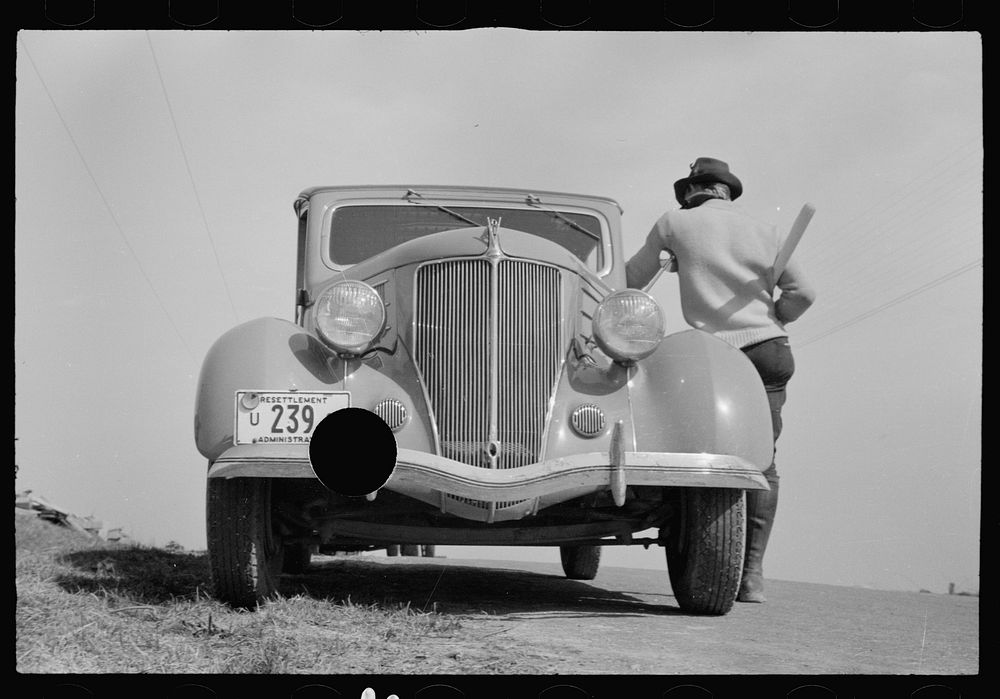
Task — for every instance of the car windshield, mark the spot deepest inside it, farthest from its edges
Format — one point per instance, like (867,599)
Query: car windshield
(361,231)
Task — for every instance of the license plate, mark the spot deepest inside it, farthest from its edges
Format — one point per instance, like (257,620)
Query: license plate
(283,417)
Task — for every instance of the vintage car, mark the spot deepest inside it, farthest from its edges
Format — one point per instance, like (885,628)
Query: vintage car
(531,397)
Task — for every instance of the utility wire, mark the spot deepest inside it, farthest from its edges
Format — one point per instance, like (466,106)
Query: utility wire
(899,299)
(881,271)
(894,301)
(906,190)
(907,231)
(107,205)
(898,249)
(911,258)
(887,221)
(187,166)
(906,256)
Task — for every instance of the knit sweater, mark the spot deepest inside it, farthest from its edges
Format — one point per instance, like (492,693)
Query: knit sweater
(724,267)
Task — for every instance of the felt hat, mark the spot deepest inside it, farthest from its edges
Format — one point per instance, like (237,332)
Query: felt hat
(708,170)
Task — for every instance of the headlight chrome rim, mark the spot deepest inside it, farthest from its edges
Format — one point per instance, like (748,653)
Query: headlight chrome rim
(350,316)
(628,325)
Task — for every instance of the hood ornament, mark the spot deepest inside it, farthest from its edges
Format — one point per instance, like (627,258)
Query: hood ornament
(493,232)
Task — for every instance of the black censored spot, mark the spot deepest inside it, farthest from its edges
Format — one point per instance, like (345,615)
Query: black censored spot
(352,452)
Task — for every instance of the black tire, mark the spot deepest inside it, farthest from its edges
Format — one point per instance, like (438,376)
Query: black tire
(427,550)
(410,549)
(704,543)
(244,553)
(296,558)
(580,562)
(392,550)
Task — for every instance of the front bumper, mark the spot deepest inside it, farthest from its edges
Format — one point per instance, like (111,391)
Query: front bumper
(418,471)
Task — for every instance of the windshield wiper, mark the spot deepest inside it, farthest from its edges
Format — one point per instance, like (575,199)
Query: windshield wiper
(445,209)
(536,202)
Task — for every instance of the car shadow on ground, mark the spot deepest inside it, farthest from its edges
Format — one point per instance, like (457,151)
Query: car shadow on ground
(150,576)
(154,576)
(458,589)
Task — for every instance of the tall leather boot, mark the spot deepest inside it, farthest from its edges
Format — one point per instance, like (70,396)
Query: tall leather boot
(761,507)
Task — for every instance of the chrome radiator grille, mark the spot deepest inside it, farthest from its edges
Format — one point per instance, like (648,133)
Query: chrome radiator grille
(488,344)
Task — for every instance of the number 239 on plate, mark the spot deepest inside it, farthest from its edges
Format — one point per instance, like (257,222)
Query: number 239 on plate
(283,417)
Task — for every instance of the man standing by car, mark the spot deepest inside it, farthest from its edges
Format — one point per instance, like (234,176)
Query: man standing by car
(724,262)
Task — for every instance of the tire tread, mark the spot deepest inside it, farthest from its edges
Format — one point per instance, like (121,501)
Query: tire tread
(234,521)
(580,562)
(706,578)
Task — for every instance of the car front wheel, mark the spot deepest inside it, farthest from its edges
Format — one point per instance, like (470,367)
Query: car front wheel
(580,562)
(704,543)
(244,553)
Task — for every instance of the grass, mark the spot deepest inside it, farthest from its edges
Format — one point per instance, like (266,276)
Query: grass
(88,606)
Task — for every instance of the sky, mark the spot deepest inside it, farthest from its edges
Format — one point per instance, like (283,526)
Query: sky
(155,174)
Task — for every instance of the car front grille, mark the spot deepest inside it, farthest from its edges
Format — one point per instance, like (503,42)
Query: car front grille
(488,344)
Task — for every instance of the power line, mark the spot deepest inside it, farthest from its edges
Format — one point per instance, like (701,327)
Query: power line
(888,304)
(899,229)
(895,218)
(187,166)
(902,229)
(104,199)
(899,299)
(906,190)
(899,264)
(912,258)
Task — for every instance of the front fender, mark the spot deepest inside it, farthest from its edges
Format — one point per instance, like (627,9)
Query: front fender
(698,394)
(276,355)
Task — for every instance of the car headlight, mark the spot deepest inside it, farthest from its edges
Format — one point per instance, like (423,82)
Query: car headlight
(628,325)
(349,316)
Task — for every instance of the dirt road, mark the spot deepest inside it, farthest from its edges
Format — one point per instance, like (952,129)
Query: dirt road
(627,622)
